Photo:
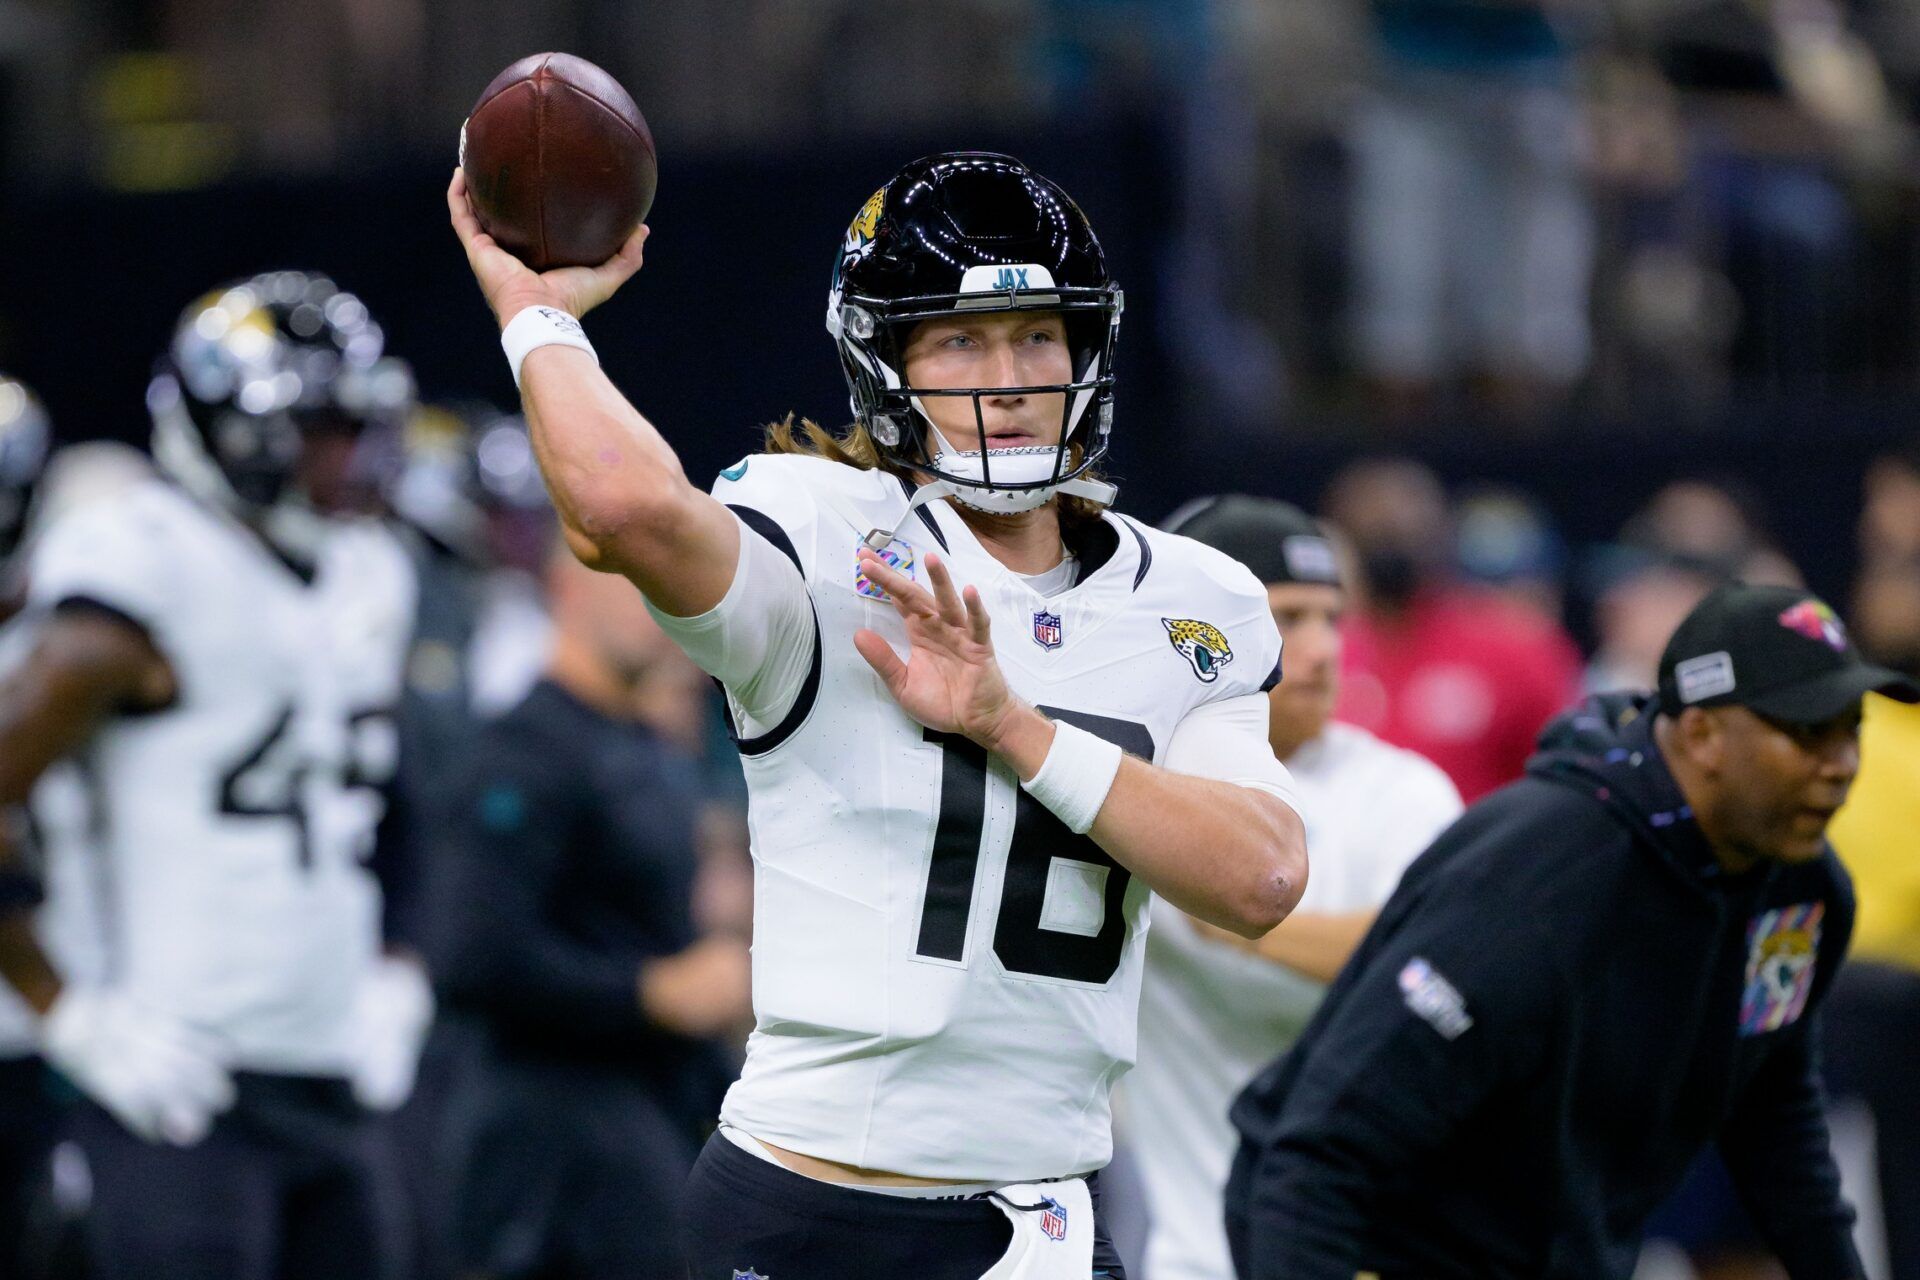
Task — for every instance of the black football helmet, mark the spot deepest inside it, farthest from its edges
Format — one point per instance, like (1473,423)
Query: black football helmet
(468,481)
(253,370)
(974,231)
(26,441)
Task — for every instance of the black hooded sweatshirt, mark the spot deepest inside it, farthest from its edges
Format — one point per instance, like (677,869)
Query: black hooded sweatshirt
(1564,1001)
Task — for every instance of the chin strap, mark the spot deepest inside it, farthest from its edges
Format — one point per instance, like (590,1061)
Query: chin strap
(1098,491)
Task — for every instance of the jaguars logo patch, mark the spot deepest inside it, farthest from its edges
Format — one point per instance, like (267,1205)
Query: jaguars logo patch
(1783,947)
(1201,644)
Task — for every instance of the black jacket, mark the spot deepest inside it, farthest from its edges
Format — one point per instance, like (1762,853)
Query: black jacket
(569,856)
(1563,1002)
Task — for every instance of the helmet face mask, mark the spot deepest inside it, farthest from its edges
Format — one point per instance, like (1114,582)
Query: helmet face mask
(969,233)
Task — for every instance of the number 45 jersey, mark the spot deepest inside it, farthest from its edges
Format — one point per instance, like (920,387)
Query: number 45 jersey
(946,979)
(236,820)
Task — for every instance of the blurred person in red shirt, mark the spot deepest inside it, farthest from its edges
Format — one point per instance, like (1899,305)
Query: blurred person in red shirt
(1454,672)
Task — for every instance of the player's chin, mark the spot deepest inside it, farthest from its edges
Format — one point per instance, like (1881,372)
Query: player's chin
(1800,844)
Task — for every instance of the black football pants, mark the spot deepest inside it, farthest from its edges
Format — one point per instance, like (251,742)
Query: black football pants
(294,1183)
(747,1217)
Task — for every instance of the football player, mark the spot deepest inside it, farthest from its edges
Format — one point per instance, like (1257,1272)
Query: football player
(982,718)
(28,1113)
(1216,1009)
(225,654)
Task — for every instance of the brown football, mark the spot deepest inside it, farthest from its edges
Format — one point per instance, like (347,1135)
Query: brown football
(559,162)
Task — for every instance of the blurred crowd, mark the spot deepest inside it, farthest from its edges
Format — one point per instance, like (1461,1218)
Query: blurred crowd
(1493,209)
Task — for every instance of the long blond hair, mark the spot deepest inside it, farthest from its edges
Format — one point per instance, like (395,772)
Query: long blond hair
(854,445)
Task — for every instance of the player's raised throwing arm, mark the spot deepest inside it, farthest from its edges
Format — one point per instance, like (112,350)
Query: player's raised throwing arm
(1210,833)
(623,498)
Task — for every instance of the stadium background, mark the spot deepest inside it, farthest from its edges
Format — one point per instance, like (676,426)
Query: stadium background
(1754,293)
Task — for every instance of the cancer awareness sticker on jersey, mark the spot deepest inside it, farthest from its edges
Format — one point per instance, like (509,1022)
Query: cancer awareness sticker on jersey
(1782,946)
(896,555)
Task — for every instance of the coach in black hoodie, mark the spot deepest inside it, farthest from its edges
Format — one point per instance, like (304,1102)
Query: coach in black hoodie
(1593,974)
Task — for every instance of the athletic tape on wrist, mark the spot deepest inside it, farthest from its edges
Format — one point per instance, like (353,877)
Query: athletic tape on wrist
(1074,779)
(534,327)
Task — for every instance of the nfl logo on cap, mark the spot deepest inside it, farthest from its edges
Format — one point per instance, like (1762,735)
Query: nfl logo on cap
(1053,1219)
(1046,629)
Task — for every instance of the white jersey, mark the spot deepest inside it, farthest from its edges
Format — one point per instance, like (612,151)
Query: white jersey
(945,978)
(234,822)
(1211,1016)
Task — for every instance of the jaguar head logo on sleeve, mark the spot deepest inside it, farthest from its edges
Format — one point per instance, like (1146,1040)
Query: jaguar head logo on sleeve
(1201,644)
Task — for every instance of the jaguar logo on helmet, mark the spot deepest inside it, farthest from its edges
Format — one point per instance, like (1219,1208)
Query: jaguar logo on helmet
(857,244)
(978,232)
(1201,643)
(868,218)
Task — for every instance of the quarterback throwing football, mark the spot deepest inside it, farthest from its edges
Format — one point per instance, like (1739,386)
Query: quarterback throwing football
(981,717)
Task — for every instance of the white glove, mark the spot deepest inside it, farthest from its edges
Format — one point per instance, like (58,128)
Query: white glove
(159,1077)
(392,1012)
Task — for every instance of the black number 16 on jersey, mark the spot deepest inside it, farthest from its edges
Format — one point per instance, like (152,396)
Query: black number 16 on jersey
(1038,838)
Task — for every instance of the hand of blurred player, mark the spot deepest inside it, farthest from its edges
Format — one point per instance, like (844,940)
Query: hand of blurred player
(393,1010)
(160,1078)
(510,285)
(704,991)
(950,681)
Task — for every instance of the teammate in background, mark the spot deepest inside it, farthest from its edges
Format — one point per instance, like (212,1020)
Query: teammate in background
(1214,1008)
(225,655)
(571,858)
(982,717)
(28,1112)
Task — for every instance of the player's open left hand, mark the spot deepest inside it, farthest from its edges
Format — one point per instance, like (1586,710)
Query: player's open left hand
(950,681)
(511,285)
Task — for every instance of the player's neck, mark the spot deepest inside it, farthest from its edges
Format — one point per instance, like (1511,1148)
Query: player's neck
(576,668)
(1026,542)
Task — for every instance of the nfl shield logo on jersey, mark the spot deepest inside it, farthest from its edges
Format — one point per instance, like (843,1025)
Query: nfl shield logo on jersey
(1046,629)
(1053,1219)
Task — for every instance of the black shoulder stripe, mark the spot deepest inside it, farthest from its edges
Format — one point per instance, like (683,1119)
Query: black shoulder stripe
(1273,677)
(1146,555)
(796,714)
(767,527)
(925,514)
(99,608)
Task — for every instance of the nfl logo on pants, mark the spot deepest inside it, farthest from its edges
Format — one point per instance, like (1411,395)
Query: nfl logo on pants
(1046,629)
(1053,1220)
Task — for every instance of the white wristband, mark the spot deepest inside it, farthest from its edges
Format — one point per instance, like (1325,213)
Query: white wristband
(1075,777)
(533,327)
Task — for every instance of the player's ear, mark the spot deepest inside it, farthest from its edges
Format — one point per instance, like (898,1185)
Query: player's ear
(1703,736)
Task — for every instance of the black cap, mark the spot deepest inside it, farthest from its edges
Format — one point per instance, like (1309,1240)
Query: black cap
(1777,650)
(1277,540)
